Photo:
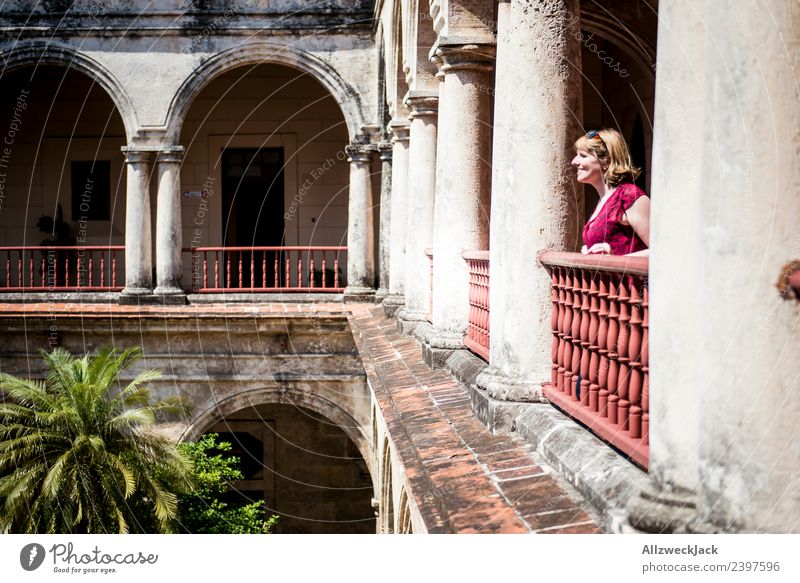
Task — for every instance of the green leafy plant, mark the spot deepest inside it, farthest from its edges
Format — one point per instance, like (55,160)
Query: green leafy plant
(76,453)
(202,509)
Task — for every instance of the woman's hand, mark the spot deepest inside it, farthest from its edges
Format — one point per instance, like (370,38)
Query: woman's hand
(598,249)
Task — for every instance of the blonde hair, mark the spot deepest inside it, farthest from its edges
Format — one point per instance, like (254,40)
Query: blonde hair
(610,149)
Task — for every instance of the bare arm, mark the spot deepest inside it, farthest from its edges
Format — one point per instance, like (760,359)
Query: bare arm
(638,217)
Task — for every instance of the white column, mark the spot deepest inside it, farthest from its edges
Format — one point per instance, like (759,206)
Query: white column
(421,187)
(384,277)
(536,203)
(399,220)
(463,186)
(168,223)
(138,232)
(677,247)
(747,373)
(360,230)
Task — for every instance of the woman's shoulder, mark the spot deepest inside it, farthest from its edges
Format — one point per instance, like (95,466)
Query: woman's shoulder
(628,193)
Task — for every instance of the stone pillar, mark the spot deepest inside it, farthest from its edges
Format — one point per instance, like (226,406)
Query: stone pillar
(169,238)
(536,202)
(360,230)
(677,247)
(463,188)
(421,185)
(138,232)
(399,220)
(749,402)
(384,277)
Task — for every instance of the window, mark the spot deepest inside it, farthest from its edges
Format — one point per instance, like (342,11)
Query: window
(91,190)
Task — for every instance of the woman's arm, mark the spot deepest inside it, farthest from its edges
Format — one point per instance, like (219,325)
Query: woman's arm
(638,217)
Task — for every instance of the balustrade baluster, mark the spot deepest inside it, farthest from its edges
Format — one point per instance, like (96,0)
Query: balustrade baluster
(43,270)
(66,274)
(252,269)
(263,269)
(594,330)
(645,367)
(216,269)
(562,316)
(19,268)
(554,325)
(90,269)
(205,269)
(311,269)
(324,267)
(575,333)
(635,362)
(336,270)
(239,257)
(277,271)
(288,281)
(611,344)
(114,268)
(228,270)
(299,269)
(8,268)
(586,319)
(623,381)
(102,268)
(568,346)
(30,268)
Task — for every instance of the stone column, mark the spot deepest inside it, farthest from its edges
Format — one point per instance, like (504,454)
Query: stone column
(360,230)
(747,372)
(421,184)
(169,238)
(463,188)
(677,247)
(399,220)
(384,277)
(536,203)
(138,232)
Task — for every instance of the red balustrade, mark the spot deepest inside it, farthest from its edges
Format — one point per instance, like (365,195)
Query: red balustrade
(429,315)
(600,346)
(69,268)
(268,269)
(477,339)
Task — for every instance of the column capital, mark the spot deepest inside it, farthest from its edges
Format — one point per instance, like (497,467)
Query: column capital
(134,155)
(451,58)
(385,151)
(422,104)
(359,153)
(172,154)
(399,130)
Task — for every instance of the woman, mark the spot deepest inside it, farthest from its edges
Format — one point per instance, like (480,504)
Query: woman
(620,225)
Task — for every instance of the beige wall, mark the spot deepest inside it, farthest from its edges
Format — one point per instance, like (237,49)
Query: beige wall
(66,118)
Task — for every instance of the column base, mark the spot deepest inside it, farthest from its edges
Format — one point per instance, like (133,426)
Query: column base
(354,294)
(135,296)
(392,303)
(439,346)
(504,387)
(408,320)
(380,294)
(661,511)
(170,296)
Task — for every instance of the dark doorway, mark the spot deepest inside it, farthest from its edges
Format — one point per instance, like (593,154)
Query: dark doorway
(252,199)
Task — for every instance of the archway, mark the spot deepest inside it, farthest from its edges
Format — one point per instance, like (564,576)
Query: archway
(302,454)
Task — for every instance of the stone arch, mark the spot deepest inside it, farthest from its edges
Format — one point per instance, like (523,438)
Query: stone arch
(404,515)
(53,53)
(201,422)
(265,53)
(626,39)
(387,492)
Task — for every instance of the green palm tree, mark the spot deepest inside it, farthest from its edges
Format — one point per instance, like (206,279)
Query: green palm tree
(76,455)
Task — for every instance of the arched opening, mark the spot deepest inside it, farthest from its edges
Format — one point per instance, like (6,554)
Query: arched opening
(63,132)
(265,166)
(306,468)
(618,92)
(62,178)
(404,515)
(387,493)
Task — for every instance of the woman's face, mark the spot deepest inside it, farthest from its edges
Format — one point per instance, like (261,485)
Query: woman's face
(587,166)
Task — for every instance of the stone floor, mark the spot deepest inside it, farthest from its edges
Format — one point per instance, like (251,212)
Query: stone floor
(463,478)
